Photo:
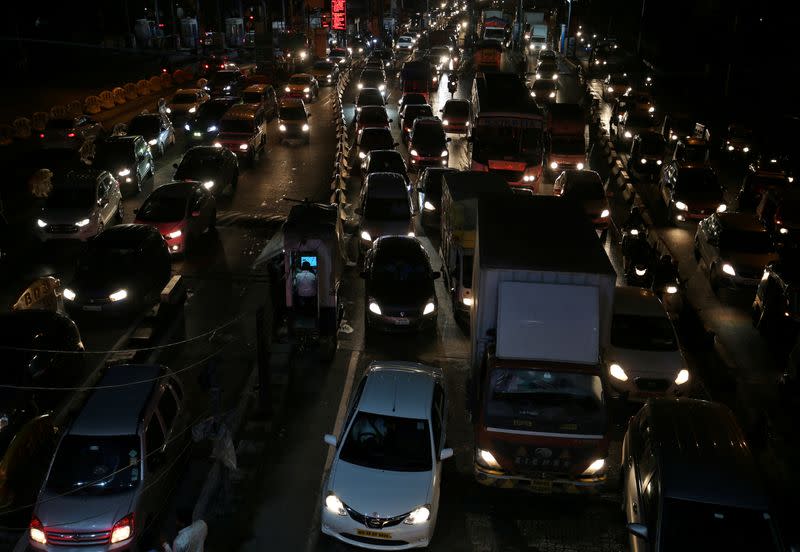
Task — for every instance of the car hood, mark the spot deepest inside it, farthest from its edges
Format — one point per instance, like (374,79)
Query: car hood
(100,284)
(401,295)
(64,215)
(83,513)
(298,86)
(163,227)
(751,261)
(377,228)
(429,150)
(387,493)
(647,364)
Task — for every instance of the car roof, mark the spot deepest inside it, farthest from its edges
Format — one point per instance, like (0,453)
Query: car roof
(187,91)
(428,121)
(242,111)
(703,454)
(80,177)
(398,389)
(292,102)
(116,406)
(745,222)
(637,301)
(385,184)
(148,116)
(175,189)
(307,76)
(256,88)
(124,233)
(210,152)
(385,153)
(127,138)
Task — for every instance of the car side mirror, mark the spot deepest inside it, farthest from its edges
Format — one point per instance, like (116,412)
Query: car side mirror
(446,453)
(330,439)
(174,165)
(436,274)
(391,120)
(195,214)
(449,140)
(363,274)
(638,530)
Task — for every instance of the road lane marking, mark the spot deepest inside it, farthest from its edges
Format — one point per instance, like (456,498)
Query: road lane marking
(313,535)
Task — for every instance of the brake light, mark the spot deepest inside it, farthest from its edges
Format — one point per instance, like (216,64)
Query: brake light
(122,530)
(71,135)
(41,135)
(36,531)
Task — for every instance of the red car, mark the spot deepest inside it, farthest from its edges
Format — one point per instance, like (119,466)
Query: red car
(181,211)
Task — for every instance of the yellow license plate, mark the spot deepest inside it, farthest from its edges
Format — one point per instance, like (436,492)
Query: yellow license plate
(541,487)
(374,534)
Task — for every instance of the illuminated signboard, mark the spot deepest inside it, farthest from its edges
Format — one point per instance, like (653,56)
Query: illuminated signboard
(339,13)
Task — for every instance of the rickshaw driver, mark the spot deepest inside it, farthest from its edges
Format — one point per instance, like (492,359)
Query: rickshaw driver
(305,282)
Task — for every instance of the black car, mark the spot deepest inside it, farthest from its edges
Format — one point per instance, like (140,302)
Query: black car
(386,161)
(399,285)
(411,98)
(217,169)
(204,126)
(429,190)
(374,138)
(124,268)
(409,114)
(127,158)
(647,154)
(369,96)
(427,145)
(776,307)
(293,120)
(225,83)
(155,128)
(326,72)
(69,132)
(373,78)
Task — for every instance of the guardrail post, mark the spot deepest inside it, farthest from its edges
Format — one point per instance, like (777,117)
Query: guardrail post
(262,358)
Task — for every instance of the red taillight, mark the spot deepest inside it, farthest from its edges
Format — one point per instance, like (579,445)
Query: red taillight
(41,135)
(205,66)
(71,135)
(122,530)
(36,531)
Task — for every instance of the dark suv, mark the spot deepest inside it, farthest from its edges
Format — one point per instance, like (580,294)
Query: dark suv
(776,306)
(128,159)
(690,482)
(427,146)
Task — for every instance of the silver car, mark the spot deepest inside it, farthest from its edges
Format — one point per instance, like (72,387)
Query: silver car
(115,466)
(80,205)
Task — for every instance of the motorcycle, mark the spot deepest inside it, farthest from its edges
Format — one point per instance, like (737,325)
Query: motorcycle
(638,264)
(452,86)
(668,286)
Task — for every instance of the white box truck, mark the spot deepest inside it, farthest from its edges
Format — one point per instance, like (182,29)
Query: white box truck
(543,290)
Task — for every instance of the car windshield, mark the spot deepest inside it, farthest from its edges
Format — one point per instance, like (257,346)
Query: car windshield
(456,109)
(100,259)
(373,116)
(386,163)
(495,34)
(618,79)
(237,126)
(405,39)
(372,77)
(643,333)
(746,242)
(586,190)
(370,97)
(652,144)
(252,97)
(293,114)
(636,120)
(694,153)
(221,78)
(568,145)
(145,126)
(213,110)
(299,80)
(199,163)
(376,140)
(184,98)
(88,465)
(688,525)
(163,208)
(110,154)
(336,52)
(388,443)
(546,401)
(387,208)
(68,196)
(59,124)
(429,136)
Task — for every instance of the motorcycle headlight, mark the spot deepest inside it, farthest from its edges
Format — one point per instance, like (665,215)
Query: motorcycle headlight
(82,223)
(419,515)
(672,290)
(640,271)
(186,127)
(429,308)
(616,372)
(212,128)
(375,308)
(628,134)
(334,505)
(118,295)
(444,153)
(414,153)
(365,236)
(728,269)
(722,208)
(682,377)
(605,213)
(681,206)
(429,206)
(487,459)
(153,142)
(595,467)
(68,294)
(124,172)
(192,109)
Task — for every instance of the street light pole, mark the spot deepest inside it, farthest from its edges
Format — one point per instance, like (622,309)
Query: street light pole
(641,24)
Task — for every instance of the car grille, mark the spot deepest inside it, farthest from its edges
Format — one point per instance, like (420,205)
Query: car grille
(402,312)
(750,273)
(61,229)
(374,542)
(66,538)
(509,176)
(375,522)
(652,385)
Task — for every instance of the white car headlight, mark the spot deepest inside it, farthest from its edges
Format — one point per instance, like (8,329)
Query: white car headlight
(243,147)
(643,161)
(375,308)
(381,87)
(728,269)
(605,213)
(651,109)
(118,295)
(659,162)
(445,122)
(306,90)
(83,222)
(784,230)
(610,88)
(420,515)
(486,458)
(186,127)
(429,308)
(124,172)
(731,148)
(745,149)
(175,234)
(287,89)
(722,208)
(365,236)
(305,127)
(334,505)
(192,109)
(429,206)
(208,184)
(212,128)
(444,153)
(628,134)
(217,145)
(595,467)
(681,206)
(361,155)
(282,128)
(359,86)
(153,142)
(672,290)
(467,301)
(414,153)
(533,94)
(411,235)
(68,294)
(640,271)
(552,94)
(682,377)
(40,223)
(616,371)
(553,165)
(580,166)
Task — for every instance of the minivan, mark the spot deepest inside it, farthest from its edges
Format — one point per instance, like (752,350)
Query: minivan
(243,130)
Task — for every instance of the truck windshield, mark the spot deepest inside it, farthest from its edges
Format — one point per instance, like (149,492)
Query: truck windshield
(494,34)
(568,145)
(388,443)
(546,401)
(500,142)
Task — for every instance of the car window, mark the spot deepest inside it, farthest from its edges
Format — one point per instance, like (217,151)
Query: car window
(436,428)
(389,443)
(168,408)
(353,402)
(153,436)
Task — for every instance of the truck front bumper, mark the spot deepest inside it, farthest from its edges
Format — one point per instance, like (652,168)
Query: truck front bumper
(542,485)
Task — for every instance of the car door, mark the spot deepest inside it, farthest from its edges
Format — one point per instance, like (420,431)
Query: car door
(438,438)
(665,184)
(104,200)
(641,485)
(156,464)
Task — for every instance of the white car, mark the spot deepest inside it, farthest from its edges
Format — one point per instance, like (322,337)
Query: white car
(383,489)
(644,358)
(80,205)
(186,102)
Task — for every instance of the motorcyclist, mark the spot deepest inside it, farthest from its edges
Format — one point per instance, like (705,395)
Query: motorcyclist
(635,219)
(633,229)
(452,84)
(638,254)
(665,272)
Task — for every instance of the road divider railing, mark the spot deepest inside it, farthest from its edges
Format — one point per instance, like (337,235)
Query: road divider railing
(341,161)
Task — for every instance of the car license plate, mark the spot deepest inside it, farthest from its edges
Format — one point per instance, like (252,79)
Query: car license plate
(401,321)
(93,308)
(197,135)
(541,486)
(373,534)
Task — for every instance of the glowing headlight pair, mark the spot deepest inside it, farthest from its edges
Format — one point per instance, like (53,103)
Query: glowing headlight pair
(616,372)
(118,295)
(528,178)
(415,517)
